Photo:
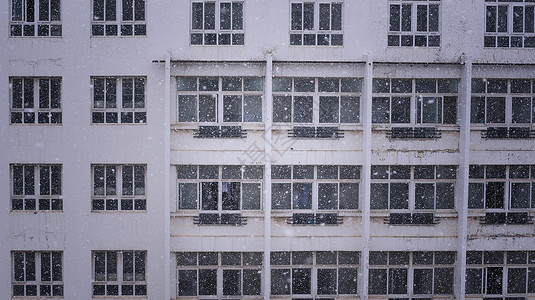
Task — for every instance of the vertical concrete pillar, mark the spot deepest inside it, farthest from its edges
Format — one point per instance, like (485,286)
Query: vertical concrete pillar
(366,172)
(167,174)
(268,124)
(465,91)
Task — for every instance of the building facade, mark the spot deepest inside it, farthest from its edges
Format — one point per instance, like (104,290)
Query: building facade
(281,149)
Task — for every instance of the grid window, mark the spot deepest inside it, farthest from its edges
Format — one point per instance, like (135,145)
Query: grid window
(220,274)
(36,274)
(219,188)
(412,188)
(220,99)
(119,273)
(414,23)
(414,101)
(401,273)
(118,18)
(501,188)
(306,273)
(119,100)
(35,100)
(502,101)
(35,18)
(36,188)
(500,273)
(315,188)
(316,100)
(509,24)
(119,188)
(316,24)
(217,23)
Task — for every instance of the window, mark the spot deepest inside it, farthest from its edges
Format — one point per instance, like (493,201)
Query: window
(217,23)
(219,273)
(35,18)
(119,188)
(509,24)
(35,100)
(500,273)
(307,273)
(502,101)
(315,188)
(392,272)
(119,100)
(316,24)
(411,188)
(414,23)
(500,187)
(36,188)
(316,100)
(219,188)
(434,101)
(220,99)
(119,273)
(106,13)
(37,273)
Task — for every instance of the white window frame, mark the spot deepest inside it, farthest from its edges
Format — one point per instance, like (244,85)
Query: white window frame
(218,35)
(219,97)
(314,193)
(133,114)
(123,28)
(29,111)
(316,97)
(482,267)
(411,267)
(409,38)
(120,281)
(198,181)
(313,266)
(508,37)
(219,268)
(411,183)
(415,119)
(508,183)
(136,201)
(24,23)
(508,97)
(32,202)
(328,37)
(54,284)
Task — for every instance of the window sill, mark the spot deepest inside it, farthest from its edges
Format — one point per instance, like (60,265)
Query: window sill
(437,214)
(195,126)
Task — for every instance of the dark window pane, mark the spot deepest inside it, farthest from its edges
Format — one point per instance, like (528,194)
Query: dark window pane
(281,195)
(282,108)
(349,195)
(302,196)
(251,282)
(401,112)
(301,281)
(423,281)
(329,109)
(494,280)
(494,195)
(379,196)
(377,281)
(443,281)
(399,196)
(207,281)
(326,281)
(280,281)
(397,279)
(209,195)
(496,110)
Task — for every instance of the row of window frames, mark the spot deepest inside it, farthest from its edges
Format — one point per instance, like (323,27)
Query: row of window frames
(522,19)
(132,21)
(501,195)
(125,267)
(47,13)
(436,195)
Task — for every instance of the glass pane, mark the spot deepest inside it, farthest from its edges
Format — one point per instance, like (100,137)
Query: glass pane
(521,110)
(303,106)
(252,108)
(252,195)
(401,107)
(397,279)
(445,196)
(325,16)
(252,281)
(301,281)
(304,85)
(474,280)
(230,195)
(232,108)
(231,282)
(327,196)
(329,109)
(443,281)
(399,196)
(280,281)
(350,109)
(207,281)
(187,282)
(326,281)
(520,195)
(302,196)
(377,281)
(496,110)
(430,110)
(281,195)
(349,195)
(282,108)
(494,194)
(187,196)
(423,281)
(494,280)
(380,110)
(379,196)
(209,191)
(225,16)
(424,196)
(237,16)
(297,16)
(187,108)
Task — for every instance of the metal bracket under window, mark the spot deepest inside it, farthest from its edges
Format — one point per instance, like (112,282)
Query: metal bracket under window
(320,132)
(220,219)
(413,133)
(315,219)
(220,132)
(411,219)
(511,218)
(508,133)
